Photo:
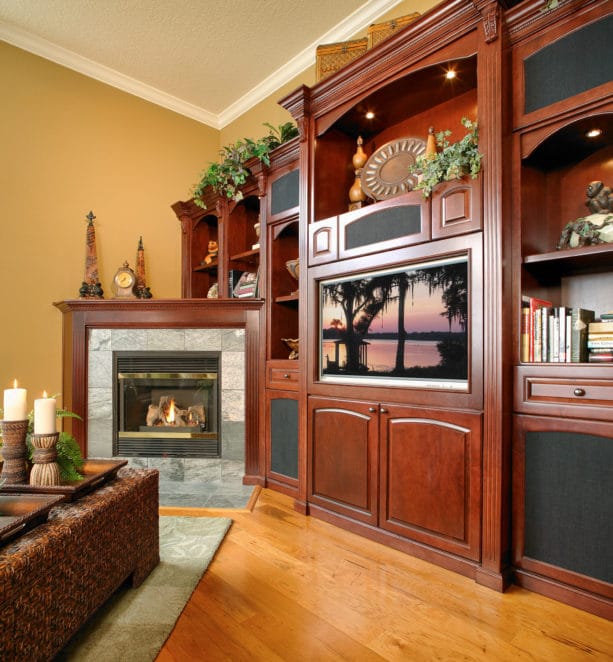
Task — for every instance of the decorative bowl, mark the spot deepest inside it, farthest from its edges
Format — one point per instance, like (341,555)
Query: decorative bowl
(293,266)
(293,345)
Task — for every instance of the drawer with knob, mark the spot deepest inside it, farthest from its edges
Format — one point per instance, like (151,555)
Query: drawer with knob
(283,377)
(563,392)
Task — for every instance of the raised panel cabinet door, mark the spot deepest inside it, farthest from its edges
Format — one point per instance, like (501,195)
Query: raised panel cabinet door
(456,207)
(431,477)
(343,457)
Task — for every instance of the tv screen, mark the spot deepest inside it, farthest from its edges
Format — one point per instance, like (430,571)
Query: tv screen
(403,326)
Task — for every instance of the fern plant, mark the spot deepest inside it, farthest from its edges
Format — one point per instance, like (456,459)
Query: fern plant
(451,161)
(230,173)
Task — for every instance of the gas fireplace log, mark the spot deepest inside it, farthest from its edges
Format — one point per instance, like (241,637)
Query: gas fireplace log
(153,415)
(168,413)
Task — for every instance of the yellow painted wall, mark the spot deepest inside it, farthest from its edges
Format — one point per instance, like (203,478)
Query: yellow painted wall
(69,144)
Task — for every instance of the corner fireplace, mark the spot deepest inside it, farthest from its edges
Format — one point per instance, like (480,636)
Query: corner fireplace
(166,404)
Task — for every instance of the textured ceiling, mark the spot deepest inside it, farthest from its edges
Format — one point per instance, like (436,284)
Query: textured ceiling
(208,59)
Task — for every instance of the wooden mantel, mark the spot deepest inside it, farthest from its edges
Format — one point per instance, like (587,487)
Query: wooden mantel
(80,315)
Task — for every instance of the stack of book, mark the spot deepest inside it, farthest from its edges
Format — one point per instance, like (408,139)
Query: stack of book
(554,334)
(600,340)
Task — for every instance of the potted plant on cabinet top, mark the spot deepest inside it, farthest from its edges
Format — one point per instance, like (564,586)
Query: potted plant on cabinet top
(230,173)
(450,161)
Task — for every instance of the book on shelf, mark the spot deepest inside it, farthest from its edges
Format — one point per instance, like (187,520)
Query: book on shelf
(580,320)
(554,334)
(601,358)
(233,278)
(600,336)
(601,327)
(247,285)
(600,350)
(533,304)
(599,343)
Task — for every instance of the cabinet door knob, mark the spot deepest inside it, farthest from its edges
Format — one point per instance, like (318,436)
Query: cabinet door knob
(285,376)
(372,410)
(579,392)
(383,410)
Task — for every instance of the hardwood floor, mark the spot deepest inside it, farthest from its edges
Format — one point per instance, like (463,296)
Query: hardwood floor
(288,587)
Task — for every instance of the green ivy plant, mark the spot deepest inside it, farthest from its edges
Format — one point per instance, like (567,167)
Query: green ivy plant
(230,173)
(451,161)
(69,458)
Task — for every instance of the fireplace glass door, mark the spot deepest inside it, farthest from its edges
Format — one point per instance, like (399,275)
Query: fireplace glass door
(166,406)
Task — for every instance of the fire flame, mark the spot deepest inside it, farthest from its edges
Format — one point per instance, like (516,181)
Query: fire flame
(170,416)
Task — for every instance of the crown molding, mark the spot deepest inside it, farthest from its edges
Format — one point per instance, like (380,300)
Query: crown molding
(62,56)
(354,23)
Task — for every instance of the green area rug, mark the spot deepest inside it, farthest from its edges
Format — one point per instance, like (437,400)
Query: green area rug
(134,624)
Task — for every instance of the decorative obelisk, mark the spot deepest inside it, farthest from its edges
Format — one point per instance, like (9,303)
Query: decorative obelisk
(91,287)
(141,290)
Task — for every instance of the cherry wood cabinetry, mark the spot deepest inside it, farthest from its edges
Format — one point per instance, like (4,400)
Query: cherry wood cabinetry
(280,237)
(343,457)
(231,225)
(409,472)
(465,478)
(413,467)
(430,472)
(563,437)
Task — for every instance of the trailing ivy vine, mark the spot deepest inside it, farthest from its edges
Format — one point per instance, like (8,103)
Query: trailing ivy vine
(230,173)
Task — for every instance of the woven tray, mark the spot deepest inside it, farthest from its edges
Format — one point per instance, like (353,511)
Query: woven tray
(21,512)
(95,473)
(332,57)
(379,32)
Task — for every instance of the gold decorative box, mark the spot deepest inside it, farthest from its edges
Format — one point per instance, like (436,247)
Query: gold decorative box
(378,32)
(332,57)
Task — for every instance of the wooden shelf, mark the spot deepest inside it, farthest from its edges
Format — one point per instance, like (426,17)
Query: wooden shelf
(247,256)
(206,267)
(287,298)
(572,260)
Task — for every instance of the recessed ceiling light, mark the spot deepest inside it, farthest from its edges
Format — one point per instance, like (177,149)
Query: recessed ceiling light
(450,74)
(370,115)
(593,133)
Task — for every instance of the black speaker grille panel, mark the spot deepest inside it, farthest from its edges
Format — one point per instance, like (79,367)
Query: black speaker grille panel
(578,62)
(284,436)
(569,502)
(383,225)
(285,192)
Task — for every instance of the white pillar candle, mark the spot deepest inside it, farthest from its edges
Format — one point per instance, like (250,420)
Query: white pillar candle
(44,415)
(15,403)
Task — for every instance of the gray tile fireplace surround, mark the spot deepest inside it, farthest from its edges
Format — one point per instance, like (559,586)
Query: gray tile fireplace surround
(189,482)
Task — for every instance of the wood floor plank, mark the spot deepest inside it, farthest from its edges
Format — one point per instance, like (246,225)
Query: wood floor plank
(288,587)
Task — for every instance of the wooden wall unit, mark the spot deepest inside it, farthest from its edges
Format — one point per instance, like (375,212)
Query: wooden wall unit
(430,469)
(352,479)
(562,537)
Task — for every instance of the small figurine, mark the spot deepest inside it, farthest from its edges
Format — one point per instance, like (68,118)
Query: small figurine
(212,254)
(597,227)
(599,198)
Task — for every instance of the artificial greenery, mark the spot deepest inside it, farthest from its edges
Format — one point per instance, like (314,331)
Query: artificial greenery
(69,458)
(230,173)
(451,161)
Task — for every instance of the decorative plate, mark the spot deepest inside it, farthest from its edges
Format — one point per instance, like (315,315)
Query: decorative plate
(386,173)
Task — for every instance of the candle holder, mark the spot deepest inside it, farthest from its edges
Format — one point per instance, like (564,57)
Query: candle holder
(45,470)
(14,452)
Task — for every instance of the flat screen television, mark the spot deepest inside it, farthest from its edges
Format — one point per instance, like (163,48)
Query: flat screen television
(404,326)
